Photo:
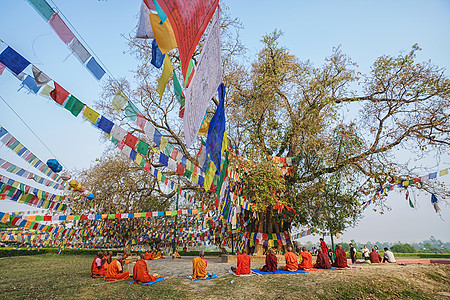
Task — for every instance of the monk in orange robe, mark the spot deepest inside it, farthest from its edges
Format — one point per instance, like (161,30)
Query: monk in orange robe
(306,263)
(97,265)
(141,271)
(199,265)
(157,255)
(176,254)
(107,259)
(341,258)
(115,270)
(291,260)
(271,262)
(148,255)
(243,264)
(323,262)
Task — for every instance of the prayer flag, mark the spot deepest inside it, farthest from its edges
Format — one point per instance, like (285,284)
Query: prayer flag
(40,77)
(43,8)
(210,172)
(105,125)
(163,34)
(79,50)
(216,130)
(157,56)
(131,140)
(118,133)
(150,4)
(74,105)
(119,101)
(30,83)
(189,20)
(142,147)
(13,60)
(204,83)
(2,68)
(443,172)
(61,29)
(160,12)
(144,30)
(45,92)
(90,114)
(162,81)
(141,121)
(131,111)
(94,67)
(59,94)
(177,90)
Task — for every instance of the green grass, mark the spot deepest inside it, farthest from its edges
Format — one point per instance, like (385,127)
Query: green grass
(51,276)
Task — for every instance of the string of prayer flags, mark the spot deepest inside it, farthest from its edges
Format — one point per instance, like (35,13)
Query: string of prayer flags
(144,29)
(205,81)
(59,94)
(162,81)
(189,20)
(13,60)
(163,34)
(43,8)
(79,51)
(40,77)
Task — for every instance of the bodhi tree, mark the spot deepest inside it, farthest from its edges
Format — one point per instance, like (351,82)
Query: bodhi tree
(342,140)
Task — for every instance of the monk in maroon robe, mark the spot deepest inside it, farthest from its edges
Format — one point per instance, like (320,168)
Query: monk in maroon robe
(341,258)
(271,262)
(374,257)
(323,262)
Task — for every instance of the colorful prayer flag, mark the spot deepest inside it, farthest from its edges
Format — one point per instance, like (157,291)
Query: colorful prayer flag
(61,29)
(163,34)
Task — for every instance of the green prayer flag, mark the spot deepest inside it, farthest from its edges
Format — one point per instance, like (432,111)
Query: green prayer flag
(76,217)
(131,111)
(114,141)
(39,218)
(142,147)
(111,216)
(143,215)
(74,105)
(168,150)
(177,90)
(187,173)
(142,163)
(174,212)
(43,8)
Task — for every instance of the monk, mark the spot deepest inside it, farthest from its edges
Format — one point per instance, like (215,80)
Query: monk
(341,258)
(176,254)
(323,262)
(306,263)
(323,246)
(243,264)
(271,262)
(115,271)
(291,261)
(97,266)
(199,265)
(141,271)
(148,255)
(157,255)
(374,256)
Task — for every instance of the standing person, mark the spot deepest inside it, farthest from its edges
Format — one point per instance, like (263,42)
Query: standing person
(291,261)
(366,253)
(352,253)
(199,265)
(323,246)
(388,256)
(330,255)
(271,262)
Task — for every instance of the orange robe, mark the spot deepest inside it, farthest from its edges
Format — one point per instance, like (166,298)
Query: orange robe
(199,268)
(148,255)
(157,255)
(306,261)
(243,265)
(97,271)
(113,273)
(291,262)
(341,259)
(140,272)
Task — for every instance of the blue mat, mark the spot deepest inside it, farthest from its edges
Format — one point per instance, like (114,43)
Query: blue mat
(150,283)
(212,277)
(93,276)
(277,272)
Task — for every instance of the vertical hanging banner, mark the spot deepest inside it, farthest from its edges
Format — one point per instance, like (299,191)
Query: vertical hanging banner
(204,83)
(189,19)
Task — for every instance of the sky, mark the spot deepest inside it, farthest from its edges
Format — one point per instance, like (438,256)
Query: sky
(365,30)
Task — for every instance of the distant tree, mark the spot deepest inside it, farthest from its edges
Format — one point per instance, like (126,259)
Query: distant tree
(403,248)
(346,247)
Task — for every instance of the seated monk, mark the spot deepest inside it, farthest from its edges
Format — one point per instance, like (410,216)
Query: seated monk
(323,262)
(291,261)
(124,260)
(148,255)
(341,258)
(199,265)
(141,271)
(374,256)
(115,270)
(271,262)
(176,254)
(243,264)
(306,263)
(97,268)
(157,255)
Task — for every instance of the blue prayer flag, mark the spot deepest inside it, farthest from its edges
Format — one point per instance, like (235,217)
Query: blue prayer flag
(157,56)
(105,124)
(13,60)
(94,67)
(31,84)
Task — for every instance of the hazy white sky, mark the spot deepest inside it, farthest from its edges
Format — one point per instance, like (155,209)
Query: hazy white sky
(364,29)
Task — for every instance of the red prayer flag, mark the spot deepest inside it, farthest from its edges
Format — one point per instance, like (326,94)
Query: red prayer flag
(59,94)
(189,19)
(61,29)
(131,140)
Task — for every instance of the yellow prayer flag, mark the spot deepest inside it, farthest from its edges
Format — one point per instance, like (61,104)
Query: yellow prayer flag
(405,183)
(104,216)
(90,114)
(159,176)
(15,184)
(138,158)
(194,178)
(224,142)
(163,33)
(5,218)
(210,175)
(119,101)
(443,172)
(31,218)
(162,81)
(271,244)
(168,213)
(27,224)
(17,148)
(204,128)
(46,90)
(163,143)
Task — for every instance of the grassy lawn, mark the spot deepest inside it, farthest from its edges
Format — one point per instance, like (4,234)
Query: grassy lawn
(51,276)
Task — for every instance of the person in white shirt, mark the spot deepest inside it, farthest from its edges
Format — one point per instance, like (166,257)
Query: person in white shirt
(388,256)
